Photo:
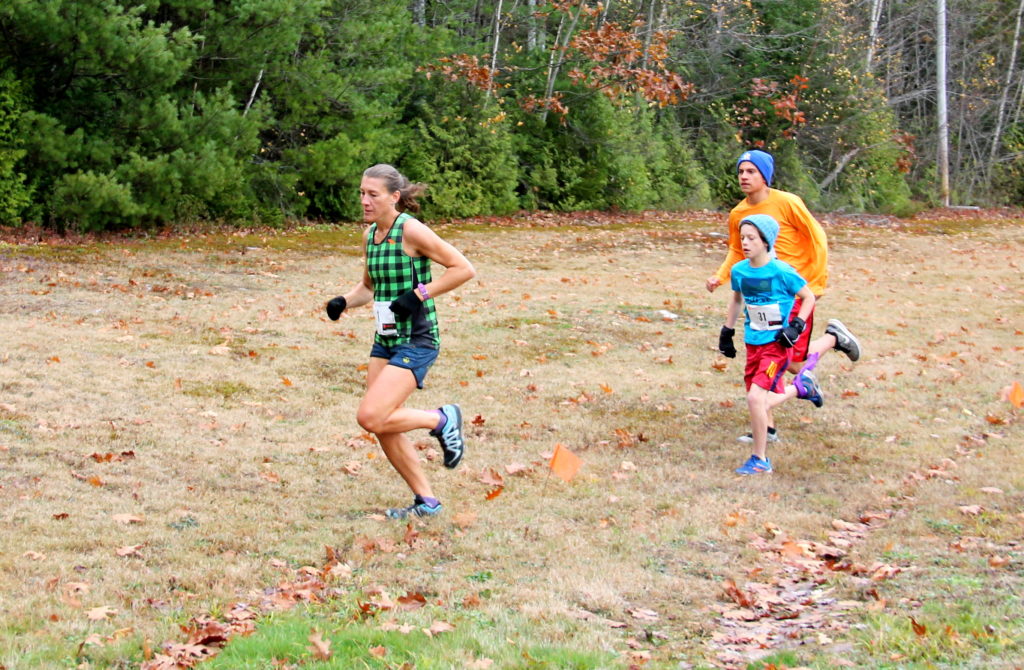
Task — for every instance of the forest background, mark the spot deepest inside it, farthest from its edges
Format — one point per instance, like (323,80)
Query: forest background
(117,115)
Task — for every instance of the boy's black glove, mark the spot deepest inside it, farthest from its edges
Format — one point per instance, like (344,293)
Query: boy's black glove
(335,306)
(406,304)
(788,336)
(725,344)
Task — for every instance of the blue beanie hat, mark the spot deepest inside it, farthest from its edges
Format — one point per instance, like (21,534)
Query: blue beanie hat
(766,225)
(762,160)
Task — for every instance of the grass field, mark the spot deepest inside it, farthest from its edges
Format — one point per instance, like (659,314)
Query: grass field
(179,454)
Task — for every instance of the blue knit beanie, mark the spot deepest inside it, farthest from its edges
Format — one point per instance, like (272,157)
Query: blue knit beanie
(762,160)
(767,225)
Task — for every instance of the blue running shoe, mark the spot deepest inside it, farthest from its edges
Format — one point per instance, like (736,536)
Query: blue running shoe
(417,508)
(453,444)
(755,466)
(807,388)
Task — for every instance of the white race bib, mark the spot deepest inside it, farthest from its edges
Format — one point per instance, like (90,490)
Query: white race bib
(765,317)
(385,318)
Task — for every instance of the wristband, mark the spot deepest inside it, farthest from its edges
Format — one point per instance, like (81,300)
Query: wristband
(423,291)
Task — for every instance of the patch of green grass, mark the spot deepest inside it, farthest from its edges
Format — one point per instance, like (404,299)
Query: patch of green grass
(110,650)
(946,634)
(945,526)
(12,427)
(227,390)
(784,659)
(366,644)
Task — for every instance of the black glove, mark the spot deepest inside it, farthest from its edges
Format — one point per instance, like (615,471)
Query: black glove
(406,305)
(335,306)
(725,344)
(788,336)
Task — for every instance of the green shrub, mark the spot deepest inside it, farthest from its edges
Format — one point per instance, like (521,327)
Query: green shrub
(1008,176)
(87,201)
(14,194)
(462,148)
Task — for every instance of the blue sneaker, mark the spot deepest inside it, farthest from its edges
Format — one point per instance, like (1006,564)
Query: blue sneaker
(453,445)
(807,388)
(755,466)
(417,508)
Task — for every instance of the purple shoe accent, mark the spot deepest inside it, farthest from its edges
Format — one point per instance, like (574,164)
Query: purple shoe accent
(812,360)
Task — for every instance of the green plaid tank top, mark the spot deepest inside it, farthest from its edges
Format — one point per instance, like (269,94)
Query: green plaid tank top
(394,273)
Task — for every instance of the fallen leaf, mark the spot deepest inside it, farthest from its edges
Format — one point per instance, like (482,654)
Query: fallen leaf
(1016,395)
(643,614)
(734,519)
(734,592)
(411,601)
(971,510)
(998,561)
(127,519)
(919,629)
(34,555)
(321,648)
(129,550)
(101,613)
(491,477)
(516,468)
(495,493)
(438,627)
(378,651)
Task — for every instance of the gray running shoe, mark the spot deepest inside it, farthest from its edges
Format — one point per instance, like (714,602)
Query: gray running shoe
(845,340)
(453,444)
(749,437)
(417,508)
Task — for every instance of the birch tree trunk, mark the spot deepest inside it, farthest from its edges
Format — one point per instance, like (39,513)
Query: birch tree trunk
(649,28)
(876,16)
(494,49)
(940,86)
(1001,113)
(531,25)
(252,94)
(557,58)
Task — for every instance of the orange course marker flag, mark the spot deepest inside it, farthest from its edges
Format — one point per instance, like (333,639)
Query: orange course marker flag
(564,463)
(1017,395)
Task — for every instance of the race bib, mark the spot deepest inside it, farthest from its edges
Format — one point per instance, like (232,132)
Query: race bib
(385,318)
(765,317)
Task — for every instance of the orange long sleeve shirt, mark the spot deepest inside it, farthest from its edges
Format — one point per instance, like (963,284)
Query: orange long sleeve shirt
(802,242)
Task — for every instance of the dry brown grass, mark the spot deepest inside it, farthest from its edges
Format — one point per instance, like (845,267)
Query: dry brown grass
(207,369)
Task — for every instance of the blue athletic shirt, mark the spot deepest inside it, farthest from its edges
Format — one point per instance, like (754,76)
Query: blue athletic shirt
(768,295)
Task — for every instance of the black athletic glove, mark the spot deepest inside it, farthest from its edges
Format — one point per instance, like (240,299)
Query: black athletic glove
(335,306)
(788,336)
(406,305)
(725,344)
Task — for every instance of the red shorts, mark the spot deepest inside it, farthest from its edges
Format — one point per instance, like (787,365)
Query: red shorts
(799,350)
(766,366)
